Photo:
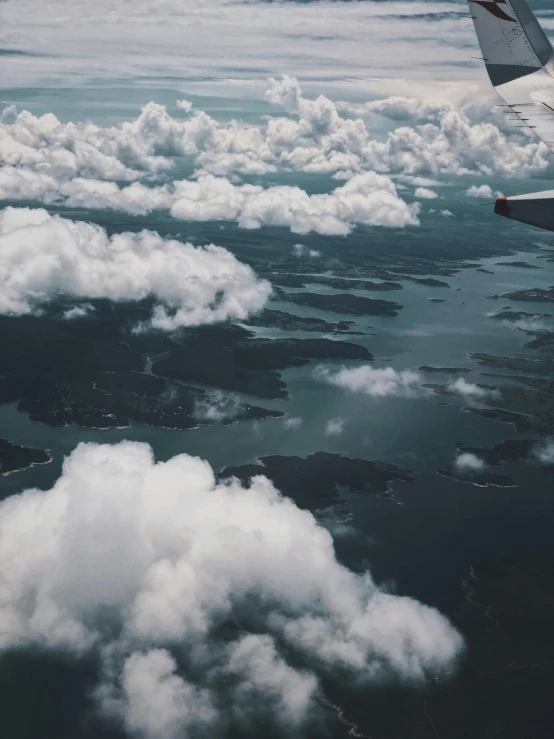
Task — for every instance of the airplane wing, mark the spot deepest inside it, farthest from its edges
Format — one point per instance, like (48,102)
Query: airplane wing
(520,62)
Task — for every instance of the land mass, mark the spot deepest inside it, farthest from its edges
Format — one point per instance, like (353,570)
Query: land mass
(14,458)
(521,265)
(289,322)
(313,482)
(509,450)
(345,303)
(92,372)
(230,358)
(533,295)
(481,479)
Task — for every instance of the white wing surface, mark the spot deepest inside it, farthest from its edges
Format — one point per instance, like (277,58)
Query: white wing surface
(520,62)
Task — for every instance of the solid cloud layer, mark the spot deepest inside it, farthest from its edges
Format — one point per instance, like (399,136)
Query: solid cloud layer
(144,562)
(43,257)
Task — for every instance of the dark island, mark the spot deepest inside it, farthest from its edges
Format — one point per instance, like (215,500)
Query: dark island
(345,303)
(509,450)
(426,281)
(518,315)
(313,481)
(289,322)
(14,458)
(516,364)
(481,479)
(517,592)
(92,372)
(444,370)
(231,358)
(340,283)
(521,265)
(533,295)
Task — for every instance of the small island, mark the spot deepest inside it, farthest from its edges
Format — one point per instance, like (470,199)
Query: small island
(517,364)
(216,356)
(289,322)
(481,479)
(444,370)
(533,295)
(313,482)
(519,315)
(521,265)
(345,303)
(15,458)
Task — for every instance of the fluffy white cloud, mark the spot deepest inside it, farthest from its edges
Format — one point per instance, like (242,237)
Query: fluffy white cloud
(324,141)
(483,191)
(66,150)
(545,452)
(425,193)
(130,558)
(469,390)
(293,423)
(48,160)
(44,256)
(301,250)
(78,311)
(334,427)
(218,406)
(467,462)
(375,382)
(367,198)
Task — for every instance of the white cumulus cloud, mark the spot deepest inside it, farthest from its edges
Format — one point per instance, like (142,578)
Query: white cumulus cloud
(301,250)
(545,452)
(79,163)
(368,198)
(470,390)
(425,193)
(43,257)
(334,427)
(375,382)
(483,191)
(467,462)
(143,563)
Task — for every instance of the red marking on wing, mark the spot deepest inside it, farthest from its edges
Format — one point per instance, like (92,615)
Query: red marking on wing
(493,9)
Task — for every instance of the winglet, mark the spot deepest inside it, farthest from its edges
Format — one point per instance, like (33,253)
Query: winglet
(512,42)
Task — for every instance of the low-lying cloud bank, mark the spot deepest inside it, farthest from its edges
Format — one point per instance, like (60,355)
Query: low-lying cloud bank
(317,136)
(368,198)
(468,462)
(130,559)
(86,165)
(43,257)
